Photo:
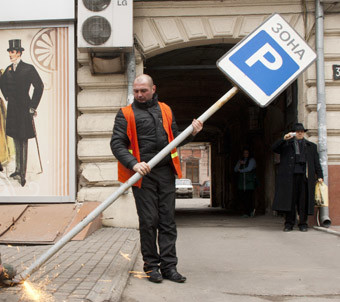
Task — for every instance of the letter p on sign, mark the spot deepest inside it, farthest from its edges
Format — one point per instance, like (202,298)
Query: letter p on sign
(263,64)
(260,56)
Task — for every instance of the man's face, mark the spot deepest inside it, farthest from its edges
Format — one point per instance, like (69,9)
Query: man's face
(143,91)
(14,55)
(300,134)
(245,153)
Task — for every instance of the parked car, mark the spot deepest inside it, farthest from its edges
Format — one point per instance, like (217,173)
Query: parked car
(205,189)
(184,188)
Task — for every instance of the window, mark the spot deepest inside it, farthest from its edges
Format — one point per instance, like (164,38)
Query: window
(192,170)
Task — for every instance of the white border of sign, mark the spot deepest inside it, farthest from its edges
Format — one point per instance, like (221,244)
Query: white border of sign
(244,82)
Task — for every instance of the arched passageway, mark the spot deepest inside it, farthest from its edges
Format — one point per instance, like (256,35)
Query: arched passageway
(188,80)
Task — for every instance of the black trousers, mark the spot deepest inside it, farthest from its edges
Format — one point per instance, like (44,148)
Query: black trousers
(21,156)
(155,203)
(299,202)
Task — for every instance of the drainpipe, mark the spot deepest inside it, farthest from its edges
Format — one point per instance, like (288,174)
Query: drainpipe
(131,74)
(321,104)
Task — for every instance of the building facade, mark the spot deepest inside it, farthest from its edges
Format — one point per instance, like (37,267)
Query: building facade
(167,35)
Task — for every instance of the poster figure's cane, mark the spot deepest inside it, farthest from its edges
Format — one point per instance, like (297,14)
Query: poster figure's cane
(34,113)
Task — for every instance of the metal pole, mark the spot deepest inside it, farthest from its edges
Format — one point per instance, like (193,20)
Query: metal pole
(36,141)
(132,180)
(131,74)
(321,103)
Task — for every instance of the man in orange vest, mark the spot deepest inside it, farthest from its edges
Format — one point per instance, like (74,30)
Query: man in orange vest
(140,131)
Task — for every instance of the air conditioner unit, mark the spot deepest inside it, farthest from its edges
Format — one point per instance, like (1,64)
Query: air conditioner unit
(105,25)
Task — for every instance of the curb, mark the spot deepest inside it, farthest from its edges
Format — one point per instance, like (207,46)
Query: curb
(326,230)
(117,273)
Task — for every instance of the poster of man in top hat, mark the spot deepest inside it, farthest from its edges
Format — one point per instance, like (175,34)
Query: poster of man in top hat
(15,84)
(37,87)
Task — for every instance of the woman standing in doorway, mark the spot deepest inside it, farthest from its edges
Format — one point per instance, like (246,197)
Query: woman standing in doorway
(246,182)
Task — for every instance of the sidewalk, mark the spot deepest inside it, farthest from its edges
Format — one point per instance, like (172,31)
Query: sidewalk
(235,259)
(92,270)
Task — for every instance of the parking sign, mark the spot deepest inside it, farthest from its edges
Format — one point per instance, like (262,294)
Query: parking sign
(265,62)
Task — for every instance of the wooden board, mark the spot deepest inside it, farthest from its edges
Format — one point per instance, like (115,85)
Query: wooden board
(82,212)
(9,214)
(40,224)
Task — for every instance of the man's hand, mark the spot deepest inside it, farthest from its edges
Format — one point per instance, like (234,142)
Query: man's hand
(288,136)
(142,168)
(197,125)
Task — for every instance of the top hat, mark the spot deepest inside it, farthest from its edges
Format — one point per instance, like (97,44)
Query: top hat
(15,45)
(299,127)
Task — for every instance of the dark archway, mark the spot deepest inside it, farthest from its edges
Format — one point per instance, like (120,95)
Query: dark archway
(188,80)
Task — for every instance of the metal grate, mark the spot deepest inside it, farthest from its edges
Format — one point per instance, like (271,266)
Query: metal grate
(96,5)
(96,30)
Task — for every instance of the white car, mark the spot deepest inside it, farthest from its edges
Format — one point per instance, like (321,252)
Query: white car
(184,188)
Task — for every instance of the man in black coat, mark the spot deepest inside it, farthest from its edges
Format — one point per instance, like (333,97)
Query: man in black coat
(298,172)
(15,85)
(155,199)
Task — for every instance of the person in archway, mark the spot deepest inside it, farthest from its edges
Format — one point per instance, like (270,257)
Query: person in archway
(140,131)
(299,169)
(15,85)
(246,182)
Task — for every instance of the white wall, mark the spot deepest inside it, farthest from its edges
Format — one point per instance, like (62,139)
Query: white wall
(37,10)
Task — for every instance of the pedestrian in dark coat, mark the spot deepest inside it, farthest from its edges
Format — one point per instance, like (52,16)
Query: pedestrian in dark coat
(246,183)
(298,172)
(155,197)
(15,85)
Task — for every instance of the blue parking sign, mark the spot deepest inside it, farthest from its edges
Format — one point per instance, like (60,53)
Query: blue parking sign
(264,63)
(263,56)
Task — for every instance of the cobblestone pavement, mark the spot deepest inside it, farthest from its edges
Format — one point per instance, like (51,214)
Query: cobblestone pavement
(95,269)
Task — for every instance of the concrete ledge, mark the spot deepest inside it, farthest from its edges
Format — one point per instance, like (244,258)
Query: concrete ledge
(327,230)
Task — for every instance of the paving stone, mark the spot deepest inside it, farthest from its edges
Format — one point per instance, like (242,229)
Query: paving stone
(79,268)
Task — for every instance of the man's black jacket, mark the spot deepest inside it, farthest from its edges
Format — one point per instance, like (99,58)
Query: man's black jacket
(150,131)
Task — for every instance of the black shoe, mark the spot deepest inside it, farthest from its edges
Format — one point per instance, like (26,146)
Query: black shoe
(22,181)
(154,276)
(303,228)
(288,229)
(14,174)
(173,275)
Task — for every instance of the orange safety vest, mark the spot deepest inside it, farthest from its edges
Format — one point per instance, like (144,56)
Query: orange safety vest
(124,173)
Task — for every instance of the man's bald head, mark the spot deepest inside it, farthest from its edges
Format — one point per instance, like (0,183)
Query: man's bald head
(143,88)
(144,78)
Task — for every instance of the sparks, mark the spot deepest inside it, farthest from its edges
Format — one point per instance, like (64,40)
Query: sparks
(33,293)
(139,275)
(126,256)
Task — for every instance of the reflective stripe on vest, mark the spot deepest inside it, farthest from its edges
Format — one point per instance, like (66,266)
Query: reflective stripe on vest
(174,154)
(167,121)
(123,173)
